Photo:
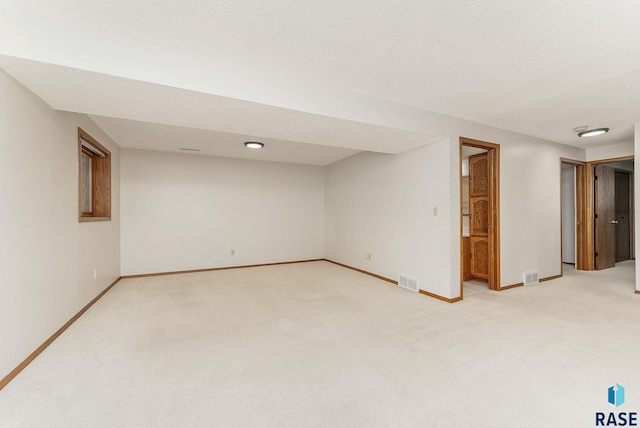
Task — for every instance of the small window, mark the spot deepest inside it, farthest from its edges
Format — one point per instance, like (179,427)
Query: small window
(94,174)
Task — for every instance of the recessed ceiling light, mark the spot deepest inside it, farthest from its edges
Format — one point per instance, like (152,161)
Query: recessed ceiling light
(253,145)
(593,132)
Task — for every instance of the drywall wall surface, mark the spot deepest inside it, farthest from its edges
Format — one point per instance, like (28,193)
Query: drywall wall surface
(610,152)
(529,196)
(568,214)
(47,257)
(625,165)
(395,208)
(185,212)
(530,209)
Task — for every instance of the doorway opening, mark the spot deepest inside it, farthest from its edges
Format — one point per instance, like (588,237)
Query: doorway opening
(597,224)
(479,216)
(573,231)
(613,212)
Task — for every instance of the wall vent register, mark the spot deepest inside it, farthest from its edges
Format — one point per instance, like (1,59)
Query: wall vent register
(408,283)
(530,278)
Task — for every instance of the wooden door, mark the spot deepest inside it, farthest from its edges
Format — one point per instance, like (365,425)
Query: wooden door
(479,218)
(622,216)
(605,227)
(466,259)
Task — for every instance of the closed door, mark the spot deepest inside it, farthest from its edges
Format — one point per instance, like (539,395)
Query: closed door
(479,215)
(605,219)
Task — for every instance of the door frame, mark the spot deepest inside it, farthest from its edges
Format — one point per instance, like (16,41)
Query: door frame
(590,206)
(585,248)
(493,158)
(582,229)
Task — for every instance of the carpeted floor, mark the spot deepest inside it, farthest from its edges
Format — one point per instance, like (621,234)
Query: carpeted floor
(316,345)
(474,287)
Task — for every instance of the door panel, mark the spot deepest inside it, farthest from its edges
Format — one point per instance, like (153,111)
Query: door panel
(622,207)
(479,219)
(480,260)
(478,175)
(466,259)
(604,223)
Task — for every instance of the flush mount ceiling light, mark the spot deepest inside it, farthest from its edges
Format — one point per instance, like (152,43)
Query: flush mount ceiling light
(591,132)
(253,145)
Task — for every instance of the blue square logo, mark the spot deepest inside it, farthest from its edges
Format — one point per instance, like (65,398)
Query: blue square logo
(616,395)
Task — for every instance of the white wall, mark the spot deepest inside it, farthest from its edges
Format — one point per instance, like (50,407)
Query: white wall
(529,198)
(47,257)
(529,201)
(625,165)
(183,212)
(384,205)
(610,152)
(568,214)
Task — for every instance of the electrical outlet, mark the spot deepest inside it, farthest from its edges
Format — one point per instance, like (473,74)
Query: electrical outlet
(367,256)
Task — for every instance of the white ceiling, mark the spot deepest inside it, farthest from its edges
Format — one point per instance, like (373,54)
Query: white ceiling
(343,75)
(173,139)
(470,151)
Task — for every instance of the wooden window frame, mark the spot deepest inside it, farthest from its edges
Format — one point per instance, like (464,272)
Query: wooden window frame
(100,179)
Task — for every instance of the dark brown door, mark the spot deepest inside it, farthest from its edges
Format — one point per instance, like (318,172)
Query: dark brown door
(623,225)
(605,226)
(479,219)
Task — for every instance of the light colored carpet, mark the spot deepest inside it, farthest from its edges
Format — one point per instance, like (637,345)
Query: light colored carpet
(474,287)
(316,345)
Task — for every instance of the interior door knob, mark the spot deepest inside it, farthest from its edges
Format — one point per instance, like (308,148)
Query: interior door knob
(614,221)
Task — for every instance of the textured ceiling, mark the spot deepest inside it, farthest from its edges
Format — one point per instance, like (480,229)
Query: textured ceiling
(538,68)
(173,138)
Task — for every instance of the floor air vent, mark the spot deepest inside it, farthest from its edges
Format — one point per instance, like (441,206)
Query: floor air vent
(408,283)
(530,278)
